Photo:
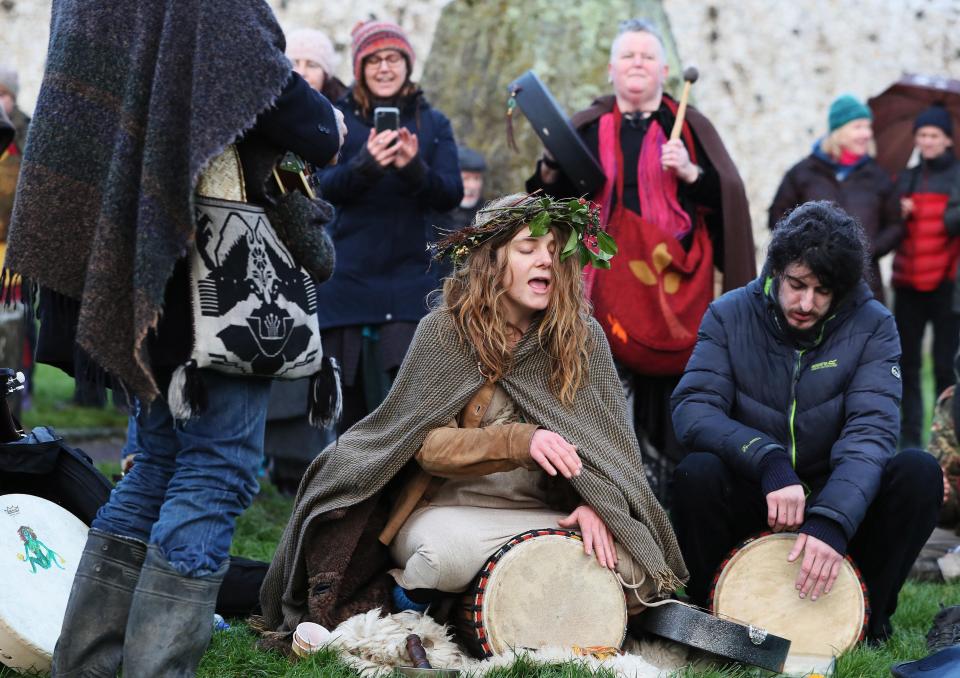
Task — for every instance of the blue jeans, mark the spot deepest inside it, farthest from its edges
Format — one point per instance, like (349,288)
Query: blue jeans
(192,478)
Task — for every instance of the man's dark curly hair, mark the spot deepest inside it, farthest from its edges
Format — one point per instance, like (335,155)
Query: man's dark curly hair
(825,238)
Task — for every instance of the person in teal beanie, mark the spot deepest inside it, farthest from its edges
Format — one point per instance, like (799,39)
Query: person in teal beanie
(847,108)
(841,168)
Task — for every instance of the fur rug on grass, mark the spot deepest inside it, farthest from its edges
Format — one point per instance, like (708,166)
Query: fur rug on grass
(373,645)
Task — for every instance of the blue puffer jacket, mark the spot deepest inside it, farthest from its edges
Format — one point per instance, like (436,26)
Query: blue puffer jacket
(382,271)
(750,391)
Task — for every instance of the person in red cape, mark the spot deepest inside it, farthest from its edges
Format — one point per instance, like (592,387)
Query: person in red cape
(925,265)
(676,209)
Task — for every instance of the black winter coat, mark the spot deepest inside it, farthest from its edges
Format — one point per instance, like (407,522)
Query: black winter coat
(380,229)
(867,194)
(750,390)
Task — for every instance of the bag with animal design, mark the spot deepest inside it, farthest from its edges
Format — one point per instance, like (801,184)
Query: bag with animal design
(253,305)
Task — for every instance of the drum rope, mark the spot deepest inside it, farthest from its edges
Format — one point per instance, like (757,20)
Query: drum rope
(635,586)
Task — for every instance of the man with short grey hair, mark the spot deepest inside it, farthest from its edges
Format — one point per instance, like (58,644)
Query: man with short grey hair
(676,207)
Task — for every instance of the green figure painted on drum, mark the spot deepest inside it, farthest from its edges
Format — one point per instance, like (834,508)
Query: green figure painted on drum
(36,552)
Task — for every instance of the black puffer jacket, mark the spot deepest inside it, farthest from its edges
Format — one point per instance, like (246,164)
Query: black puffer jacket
(867,193)
(750,391)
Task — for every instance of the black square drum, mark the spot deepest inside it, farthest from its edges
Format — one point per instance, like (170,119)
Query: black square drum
(557,134)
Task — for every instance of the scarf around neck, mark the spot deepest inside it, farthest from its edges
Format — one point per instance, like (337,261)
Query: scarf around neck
(437,378)
(657,188)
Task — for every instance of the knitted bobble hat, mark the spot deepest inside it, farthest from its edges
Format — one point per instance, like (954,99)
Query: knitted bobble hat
(371,37)
(846,108)
(313,45)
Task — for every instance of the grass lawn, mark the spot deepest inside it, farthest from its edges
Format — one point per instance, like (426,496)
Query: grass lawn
(52,405)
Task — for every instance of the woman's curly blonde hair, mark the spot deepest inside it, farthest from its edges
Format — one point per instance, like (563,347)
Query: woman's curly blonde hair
(474,295)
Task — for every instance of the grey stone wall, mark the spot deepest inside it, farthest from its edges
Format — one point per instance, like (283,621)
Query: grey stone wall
(770,68)
(24,30)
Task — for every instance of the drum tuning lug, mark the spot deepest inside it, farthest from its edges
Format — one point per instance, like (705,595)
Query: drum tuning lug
(757,635)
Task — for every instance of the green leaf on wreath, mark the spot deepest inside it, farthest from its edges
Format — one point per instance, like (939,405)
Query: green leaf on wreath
(539,224)
(606,243)
(571,242)
(584,256)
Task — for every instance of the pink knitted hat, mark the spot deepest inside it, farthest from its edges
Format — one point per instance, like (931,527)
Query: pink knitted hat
(371,37)
(313,45)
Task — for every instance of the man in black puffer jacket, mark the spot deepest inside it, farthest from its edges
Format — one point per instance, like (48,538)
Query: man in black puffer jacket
(790,405)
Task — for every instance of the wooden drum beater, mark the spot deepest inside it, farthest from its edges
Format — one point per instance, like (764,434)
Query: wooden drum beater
(690,75)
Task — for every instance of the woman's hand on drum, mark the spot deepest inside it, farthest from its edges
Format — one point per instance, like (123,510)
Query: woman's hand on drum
(596,536)
(554,454)
(785,508)
(820,567)
(382,147)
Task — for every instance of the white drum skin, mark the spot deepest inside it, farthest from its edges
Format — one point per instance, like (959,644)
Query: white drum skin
(542,590)
(756,586)
(40,547)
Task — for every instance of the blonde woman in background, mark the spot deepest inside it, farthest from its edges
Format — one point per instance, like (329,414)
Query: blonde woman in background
(841,168)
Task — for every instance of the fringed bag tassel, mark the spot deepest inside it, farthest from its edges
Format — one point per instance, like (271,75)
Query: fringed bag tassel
(326,398)
(187,395)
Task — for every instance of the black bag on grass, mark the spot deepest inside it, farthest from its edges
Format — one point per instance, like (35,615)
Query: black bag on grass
(40,464)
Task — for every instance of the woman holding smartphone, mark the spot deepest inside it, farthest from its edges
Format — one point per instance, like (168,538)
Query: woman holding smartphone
(396,166)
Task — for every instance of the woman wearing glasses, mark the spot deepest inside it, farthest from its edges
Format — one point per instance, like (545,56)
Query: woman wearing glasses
(383,188)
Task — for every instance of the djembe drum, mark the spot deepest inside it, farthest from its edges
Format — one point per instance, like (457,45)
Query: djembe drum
(41,544)
(755,585)
(541,590)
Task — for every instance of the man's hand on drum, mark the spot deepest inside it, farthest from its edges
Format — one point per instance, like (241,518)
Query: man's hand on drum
(820,567)
(674,156)
(596,536)
(785,508)
(554,454)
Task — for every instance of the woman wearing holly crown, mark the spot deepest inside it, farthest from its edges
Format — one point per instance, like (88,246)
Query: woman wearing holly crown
(507,415)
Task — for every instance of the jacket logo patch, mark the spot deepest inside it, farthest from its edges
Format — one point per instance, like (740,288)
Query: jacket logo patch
(895,371)
(824,365)
(746,447)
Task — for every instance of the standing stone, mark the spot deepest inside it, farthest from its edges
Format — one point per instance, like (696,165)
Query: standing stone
(481,46)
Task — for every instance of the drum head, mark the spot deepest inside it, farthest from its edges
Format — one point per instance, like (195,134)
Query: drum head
(40,546)
(546,591)
(756,586)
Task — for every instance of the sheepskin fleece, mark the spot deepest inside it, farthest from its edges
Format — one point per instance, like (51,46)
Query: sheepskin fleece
(373,645)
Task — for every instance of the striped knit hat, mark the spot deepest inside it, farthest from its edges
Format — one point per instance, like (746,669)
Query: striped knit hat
(371,37)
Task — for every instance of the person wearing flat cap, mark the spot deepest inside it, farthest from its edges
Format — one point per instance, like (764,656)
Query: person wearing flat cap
(473,167)
(925,265)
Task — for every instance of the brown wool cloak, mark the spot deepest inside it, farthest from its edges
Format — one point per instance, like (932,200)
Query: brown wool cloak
(739,255)
(137,97)
(436,380)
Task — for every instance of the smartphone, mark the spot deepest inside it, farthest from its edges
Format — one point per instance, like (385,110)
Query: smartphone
(386,117)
